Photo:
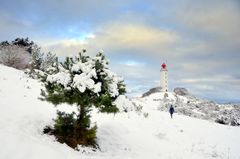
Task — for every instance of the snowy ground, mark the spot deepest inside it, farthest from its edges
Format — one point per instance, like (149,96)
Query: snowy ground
(123,136)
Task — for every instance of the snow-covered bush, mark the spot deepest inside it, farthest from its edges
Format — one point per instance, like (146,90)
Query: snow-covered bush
(46,62)
(22,53)
(124,104)
(229,117)
(14,56)
(85,82)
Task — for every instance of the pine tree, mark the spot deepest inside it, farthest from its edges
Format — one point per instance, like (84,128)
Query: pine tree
(85,82)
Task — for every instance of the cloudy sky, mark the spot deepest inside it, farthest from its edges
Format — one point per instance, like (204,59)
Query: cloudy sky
(198,40)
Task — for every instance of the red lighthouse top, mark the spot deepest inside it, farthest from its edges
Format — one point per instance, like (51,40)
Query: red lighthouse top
(164,65)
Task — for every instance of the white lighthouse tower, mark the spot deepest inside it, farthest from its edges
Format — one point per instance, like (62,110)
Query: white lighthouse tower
(164,78)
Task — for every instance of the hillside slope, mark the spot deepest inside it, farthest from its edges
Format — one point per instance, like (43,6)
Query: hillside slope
(187,104)
(124,135)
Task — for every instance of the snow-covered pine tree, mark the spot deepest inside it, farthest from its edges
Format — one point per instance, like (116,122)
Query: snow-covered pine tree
(85,82)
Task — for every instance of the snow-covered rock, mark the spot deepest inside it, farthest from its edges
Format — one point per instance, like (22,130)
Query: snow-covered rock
(181,91)
(151,91)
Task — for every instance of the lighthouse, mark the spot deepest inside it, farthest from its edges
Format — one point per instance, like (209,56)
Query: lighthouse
(164,78)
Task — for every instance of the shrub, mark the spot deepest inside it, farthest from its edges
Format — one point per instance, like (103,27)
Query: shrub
(85,82)
(14,56)
(22,53)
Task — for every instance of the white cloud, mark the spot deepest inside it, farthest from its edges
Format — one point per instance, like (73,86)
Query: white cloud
(218,20)
(115,36)
(213,79)
(65,47)
(143,39)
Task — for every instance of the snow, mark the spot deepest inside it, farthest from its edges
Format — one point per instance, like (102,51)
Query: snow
(85,80)
(84,76)
(123,103)
(82,82)
(87,68)
(97,87)
(113,89)
(62,78)
(121,136)
(114,80)
(192,106)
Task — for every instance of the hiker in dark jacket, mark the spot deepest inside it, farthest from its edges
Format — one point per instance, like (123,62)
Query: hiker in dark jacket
(171,110)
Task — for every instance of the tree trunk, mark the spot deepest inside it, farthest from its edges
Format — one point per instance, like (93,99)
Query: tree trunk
(83,117)
(83,121)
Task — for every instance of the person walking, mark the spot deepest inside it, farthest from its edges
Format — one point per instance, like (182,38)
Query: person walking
(171,110)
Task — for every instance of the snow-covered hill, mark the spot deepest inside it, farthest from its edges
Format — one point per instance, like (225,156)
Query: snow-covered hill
(187,104)
(143,133)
